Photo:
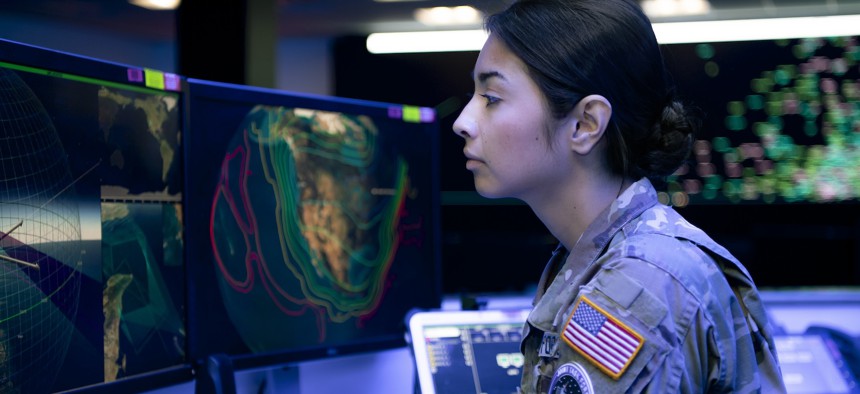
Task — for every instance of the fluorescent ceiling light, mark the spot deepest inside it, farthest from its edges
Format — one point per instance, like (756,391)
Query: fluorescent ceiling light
(667,33)
(668,8)
(427,41)
(449,16)
(156,4)
(757,29)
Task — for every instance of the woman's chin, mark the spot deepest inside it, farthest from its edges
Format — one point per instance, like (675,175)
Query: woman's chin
(487,192)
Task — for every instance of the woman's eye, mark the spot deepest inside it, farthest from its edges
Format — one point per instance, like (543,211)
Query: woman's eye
(490,99)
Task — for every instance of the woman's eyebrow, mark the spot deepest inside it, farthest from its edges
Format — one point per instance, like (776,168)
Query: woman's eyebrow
(485,76)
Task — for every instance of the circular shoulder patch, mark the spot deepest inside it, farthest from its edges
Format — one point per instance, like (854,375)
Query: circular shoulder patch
(570,378)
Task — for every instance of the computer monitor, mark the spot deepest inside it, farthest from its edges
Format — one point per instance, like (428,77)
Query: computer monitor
(774,174)
(92,278)
(779,126)
(312,223)
(814,364)
(468,351)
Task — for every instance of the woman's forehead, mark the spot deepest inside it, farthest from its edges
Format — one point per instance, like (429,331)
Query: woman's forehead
(496,63)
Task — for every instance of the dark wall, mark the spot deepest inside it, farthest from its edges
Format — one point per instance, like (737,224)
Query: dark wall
(791,245)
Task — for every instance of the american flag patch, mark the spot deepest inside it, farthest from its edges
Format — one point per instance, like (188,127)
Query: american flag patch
(602,339)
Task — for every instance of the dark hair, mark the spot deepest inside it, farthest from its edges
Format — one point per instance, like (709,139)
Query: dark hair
(574,48)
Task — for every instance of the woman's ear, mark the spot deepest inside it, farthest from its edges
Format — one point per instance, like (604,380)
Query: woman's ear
(591,118)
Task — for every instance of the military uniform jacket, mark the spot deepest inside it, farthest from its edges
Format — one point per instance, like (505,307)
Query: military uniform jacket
(646,302)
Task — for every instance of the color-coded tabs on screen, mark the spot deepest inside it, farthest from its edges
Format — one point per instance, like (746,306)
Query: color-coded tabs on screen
(154,78)
(411,114)
(427,115)
(395,112)
(172,82)
(135,75)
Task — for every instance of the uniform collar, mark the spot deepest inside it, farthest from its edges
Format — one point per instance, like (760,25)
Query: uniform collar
(630,204)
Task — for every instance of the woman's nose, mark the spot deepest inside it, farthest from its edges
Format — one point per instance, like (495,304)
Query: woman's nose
(464,126)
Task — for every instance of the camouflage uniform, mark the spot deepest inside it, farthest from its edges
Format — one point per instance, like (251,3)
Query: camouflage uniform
(686,315)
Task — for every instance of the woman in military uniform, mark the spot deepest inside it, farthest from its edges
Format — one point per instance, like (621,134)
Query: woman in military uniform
(574,114)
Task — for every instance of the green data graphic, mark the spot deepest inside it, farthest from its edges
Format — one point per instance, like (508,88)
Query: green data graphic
(782,126)
(305,221)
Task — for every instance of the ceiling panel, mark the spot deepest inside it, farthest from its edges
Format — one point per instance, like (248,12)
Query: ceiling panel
(349,17)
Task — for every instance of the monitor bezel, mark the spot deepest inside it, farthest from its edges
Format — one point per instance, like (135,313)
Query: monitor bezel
(421,321)
(252,95)
(59,63)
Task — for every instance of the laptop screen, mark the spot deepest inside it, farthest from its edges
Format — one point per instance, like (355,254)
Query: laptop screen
(811,364)
(468,351)
(479,352)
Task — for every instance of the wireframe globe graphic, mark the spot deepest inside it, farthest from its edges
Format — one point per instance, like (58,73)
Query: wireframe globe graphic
(40,238)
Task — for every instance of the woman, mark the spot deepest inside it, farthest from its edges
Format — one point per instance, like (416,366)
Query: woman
(573,113)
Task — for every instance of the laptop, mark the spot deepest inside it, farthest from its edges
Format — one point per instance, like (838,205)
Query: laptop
(461,352)
(813,364)
(458,351)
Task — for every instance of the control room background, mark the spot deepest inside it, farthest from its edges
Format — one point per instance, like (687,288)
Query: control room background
(488,247)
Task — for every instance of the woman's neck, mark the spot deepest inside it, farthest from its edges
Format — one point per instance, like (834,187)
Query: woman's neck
(571,208)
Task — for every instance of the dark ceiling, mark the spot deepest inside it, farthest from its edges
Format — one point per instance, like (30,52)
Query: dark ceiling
(346,17)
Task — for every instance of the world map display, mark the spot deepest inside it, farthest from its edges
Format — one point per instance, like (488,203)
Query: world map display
(315,230)
(306,221)
(91,267)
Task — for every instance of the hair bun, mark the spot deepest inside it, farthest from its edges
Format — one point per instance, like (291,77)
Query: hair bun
(670,141)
